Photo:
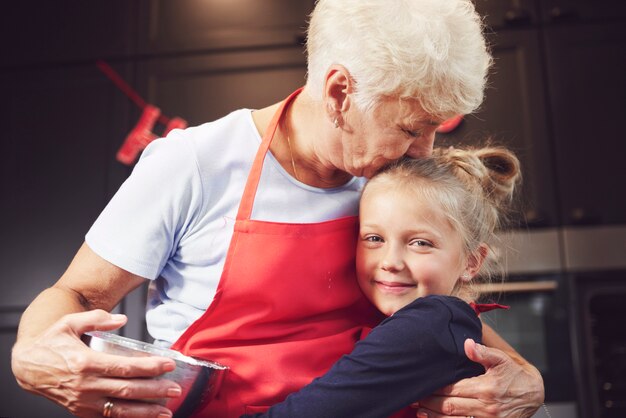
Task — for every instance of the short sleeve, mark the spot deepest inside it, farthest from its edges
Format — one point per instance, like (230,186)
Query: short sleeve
(141,226)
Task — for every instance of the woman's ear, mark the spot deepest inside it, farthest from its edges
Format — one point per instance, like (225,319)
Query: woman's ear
(337,89)
(475,261)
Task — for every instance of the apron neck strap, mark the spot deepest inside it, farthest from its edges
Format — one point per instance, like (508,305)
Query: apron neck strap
(247,200)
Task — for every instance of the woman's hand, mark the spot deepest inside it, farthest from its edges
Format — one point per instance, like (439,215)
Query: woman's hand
(59,366)
(507,389)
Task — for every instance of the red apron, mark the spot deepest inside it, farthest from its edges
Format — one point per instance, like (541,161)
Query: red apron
(287,305)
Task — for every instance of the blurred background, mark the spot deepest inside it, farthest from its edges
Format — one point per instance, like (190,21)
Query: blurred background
(557,96)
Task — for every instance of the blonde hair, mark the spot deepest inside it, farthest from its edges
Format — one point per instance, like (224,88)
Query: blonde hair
(473,187)
(432,51)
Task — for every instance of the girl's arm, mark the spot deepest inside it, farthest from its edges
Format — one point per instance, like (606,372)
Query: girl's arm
(411,354)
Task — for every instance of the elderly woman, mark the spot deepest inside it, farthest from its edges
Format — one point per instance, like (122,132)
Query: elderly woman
(246,228)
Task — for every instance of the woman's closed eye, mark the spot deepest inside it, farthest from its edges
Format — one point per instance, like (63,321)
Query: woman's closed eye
(413,134)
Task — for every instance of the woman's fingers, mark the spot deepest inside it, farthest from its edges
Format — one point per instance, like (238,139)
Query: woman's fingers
(133,389)
(130,397)
(104,364)
(449,407)
(59,366)
(120,408)
(91,405)
(82,360)
(98,319)
(124,409)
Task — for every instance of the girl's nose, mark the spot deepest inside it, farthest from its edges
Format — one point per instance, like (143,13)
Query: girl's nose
(392,261)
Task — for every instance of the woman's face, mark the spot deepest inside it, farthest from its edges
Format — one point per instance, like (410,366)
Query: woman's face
(393,129)
(406,248)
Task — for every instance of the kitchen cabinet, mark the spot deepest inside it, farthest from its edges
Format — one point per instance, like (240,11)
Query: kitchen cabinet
(586,63)
(557,96)
(59,127)
(203,25)
(555,11)
(514,114)
(58,131)
(66,31)
(202,88)
(503,14)
(508,14)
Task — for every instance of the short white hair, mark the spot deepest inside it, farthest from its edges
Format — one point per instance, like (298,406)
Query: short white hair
(432,51)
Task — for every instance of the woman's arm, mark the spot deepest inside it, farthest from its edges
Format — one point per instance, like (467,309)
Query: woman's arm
(510,387)
(50,359)
(409,355)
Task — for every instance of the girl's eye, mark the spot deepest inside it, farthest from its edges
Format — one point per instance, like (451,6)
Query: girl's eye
(421,243)
(373,238)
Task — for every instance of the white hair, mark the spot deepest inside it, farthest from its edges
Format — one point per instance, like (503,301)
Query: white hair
(432,51)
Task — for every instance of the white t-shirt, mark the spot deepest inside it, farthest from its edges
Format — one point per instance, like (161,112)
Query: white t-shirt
(172,220)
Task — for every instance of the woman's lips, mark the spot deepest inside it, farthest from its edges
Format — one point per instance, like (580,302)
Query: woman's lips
(394,288)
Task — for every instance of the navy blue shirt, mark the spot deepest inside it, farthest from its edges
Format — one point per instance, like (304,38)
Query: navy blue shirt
(411,354)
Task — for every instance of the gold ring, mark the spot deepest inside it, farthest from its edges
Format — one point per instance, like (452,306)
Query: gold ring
(108,407)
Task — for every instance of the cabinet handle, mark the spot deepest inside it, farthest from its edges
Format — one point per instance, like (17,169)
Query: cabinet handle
(582,216)
(535,218)
(560,14)
(518,287)
(517,17)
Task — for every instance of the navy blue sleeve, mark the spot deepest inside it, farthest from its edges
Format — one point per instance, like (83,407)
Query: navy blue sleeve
(407,357)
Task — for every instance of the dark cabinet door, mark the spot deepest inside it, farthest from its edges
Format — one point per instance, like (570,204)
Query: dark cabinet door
(205,87)
(513,114)
(503,14)
(553,11)
(184,25)
(57,141)
(58,128)
(587,66)
(66,30)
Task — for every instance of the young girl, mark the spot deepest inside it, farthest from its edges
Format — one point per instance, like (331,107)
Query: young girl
(426,234)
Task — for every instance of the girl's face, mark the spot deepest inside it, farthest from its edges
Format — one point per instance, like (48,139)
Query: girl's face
(406,248)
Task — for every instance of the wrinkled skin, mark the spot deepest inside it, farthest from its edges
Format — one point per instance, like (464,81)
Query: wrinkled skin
(82,380)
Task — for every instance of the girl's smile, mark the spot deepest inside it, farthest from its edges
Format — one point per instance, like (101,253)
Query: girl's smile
(393,288)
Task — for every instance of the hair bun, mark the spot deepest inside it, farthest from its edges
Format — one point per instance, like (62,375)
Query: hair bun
(494,170)
(503,169)
(502,163)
